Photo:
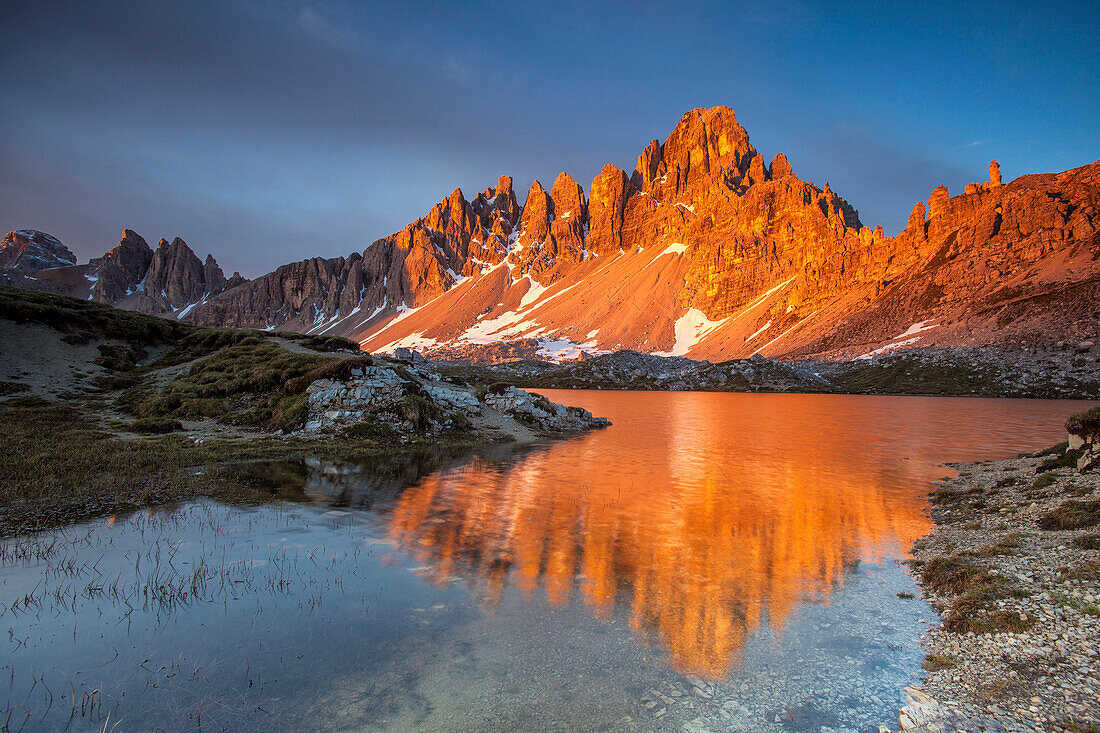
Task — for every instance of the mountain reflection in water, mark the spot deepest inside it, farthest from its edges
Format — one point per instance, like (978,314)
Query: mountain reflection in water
(705,526)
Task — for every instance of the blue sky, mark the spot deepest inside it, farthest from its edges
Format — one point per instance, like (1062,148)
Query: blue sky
(271,132)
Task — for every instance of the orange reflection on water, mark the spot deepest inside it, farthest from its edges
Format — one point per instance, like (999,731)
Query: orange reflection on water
(707,516)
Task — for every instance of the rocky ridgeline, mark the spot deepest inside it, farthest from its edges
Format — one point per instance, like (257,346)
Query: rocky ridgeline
(703,227)
(409,396)
(1012,566)
(635,370)
(1062,371)
(167,281)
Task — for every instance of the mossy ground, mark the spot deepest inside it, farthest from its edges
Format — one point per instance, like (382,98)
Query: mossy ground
(117,442)
(60,463)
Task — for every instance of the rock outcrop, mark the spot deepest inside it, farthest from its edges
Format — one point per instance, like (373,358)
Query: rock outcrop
(385,392)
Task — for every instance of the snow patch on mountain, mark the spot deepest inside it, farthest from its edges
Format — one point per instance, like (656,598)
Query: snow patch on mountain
(690,329)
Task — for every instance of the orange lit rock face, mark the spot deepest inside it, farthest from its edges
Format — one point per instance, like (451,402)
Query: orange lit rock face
(699,532)
(708,252)
(702,250)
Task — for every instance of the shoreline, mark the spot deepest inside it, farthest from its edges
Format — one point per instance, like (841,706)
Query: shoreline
(1012,565)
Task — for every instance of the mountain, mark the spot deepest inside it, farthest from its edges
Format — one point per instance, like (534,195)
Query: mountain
(704,250)
(28,250)
(168,281)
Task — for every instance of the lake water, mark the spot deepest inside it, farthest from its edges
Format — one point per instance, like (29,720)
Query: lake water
(709,562)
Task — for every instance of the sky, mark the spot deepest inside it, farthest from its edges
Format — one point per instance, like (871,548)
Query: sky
(270,132)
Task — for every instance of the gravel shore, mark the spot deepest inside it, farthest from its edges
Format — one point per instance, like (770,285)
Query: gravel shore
(1013,566)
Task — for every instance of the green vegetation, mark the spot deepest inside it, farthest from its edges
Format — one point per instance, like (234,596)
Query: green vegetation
(905,596)
(252,382)
(1087,541)
(1044,480)
(975,592)
(1068,601)
(322,343)
(62,461)
(83,320)
(1088,570)
(155,425)
(936,662)
(59,464)
(905,374)
(1073,514)
(1064,459)
(418,411)
(1084,423)
(1007,545)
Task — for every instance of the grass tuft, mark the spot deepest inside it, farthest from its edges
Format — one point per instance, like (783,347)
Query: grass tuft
(1073,514)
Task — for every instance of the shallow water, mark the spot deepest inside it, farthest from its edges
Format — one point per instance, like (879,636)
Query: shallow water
(710,562)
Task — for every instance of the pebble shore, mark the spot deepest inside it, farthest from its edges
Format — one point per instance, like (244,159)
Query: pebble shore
(1013,566)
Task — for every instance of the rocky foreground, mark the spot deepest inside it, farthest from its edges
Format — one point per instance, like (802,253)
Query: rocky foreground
(1013,566)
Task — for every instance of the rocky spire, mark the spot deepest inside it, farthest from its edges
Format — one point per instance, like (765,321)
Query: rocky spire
(781,168)
(606,204)
(994,174)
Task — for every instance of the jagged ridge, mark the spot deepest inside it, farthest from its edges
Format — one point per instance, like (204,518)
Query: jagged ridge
(703,250)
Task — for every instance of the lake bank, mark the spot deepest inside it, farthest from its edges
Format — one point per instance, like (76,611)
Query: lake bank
(104,410)
(1012,566)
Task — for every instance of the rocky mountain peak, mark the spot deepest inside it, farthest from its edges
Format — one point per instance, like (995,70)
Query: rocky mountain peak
(568,198)
(704,249)
(177,278)
(706,145)
(122,270)
(606,206)
(29,250)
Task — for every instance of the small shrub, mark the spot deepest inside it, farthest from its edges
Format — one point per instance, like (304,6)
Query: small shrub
(1044,481)
(1007,545)
(323,343)
(460,420)
(373,430)
(1073,514)
(936,662)
(155,425)
(336,369)
(119,357)
(951,574)
(1089,570)
(1084,423)
(1087,541)
(418,411)
(906,596)
(1068,459)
